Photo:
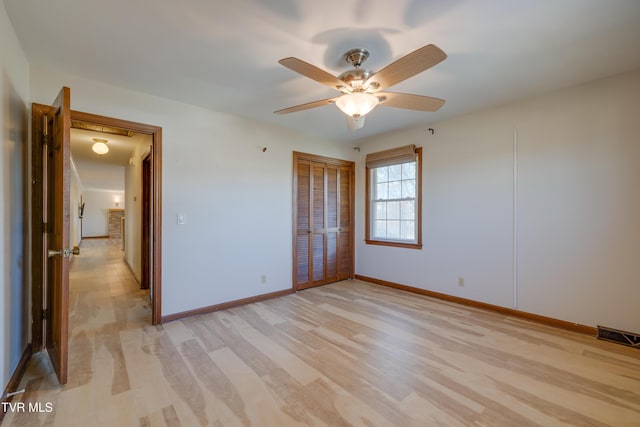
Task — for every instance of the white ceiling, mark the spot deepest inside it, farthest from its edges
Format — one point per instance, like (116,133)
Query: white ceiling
(223,55)
(103,172)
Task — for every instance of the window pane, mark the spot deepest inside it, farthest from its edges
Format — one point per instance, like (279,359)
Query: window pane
(409,189)
(393,207)
(382,174)
(381,210)
(382,191)
(395,172)
(408,230)
(395,190)
(407,210)
(393,230)
(409,170)
(393,210)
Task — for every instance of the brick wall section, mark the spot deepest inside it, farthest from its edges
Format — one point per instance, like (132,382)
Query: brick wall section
(115,231)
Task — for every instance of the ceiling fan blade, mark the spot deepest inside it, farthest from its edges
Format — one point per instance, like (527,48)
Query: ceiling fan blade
(306,106)
(312,72)
(407,66)
(409,101)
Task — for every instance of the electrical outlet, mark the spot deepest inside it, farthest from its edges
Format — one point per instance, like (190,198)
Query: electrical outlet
(263,279)
(460,281)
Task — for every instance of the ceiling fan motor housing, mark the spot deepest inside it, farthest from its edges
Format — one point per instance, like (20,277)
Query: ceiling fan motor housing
(355,78)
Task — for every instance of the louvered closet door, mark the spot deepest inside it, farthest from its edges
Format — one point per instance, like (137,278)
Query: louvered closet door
(303,239)
(319,212)
(322,252)
(344,238)
(333,191)
(338,223)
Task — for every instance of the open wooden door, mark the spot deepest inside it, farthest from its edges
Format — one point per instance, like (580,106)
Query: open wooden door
(51,215)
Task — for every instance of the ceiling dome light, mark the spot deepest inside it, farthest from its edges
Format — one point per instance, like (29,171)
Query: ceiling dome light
(100,147)
(356,104)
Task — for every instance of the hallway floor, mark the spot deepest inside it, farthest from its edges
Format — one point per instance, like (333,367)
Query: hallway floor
(105,304)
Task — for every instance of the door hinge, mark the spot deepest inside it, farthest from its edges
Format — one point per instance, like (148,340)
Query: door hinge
(45,128)
(44,314)
(45,227)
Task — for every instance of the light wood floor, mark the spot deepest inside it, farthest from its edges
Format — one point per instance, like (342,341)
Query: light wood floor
(346,354)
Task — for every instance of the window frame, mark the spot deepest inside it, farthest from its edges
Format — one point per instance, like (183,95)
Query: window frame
(418,209)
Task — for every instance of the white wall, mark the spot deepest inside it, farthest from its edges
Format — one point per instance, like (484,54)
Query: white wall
(214,171)
(74,202)
(133,191)
(578,206)
(96,211)
(14,118)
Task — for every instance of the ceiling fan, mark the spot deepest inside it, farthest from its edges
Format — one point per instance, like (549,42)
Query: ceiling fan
(362,90)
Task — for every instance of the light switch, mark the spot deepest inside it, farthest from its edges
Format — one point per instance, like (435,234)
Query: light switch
(181,218)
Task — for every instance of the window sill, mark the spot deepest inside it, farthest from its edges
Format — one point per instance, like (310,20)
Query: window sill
(394,244)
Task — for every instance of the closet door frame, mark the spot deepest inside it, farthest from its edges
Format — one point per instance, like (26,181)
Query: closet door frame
(341,165)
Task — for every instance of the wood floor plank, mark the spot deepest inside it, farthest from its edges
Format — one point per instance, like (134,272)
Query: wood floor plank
(180,378)
(284,359)
(346,354)
(262,408)
(212,377)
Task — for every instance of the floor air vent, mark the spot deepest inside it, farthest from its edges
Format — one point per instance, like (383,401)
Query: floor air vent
(620,337)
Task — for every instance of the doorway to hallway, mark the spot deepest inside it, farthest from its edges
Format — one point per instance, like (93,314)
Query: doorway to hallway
(149,204)
(50,230)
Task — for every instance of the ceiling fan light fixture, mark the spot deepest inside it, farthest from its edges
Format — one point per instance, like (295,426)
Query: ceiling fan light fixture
(353,124)
(100,147)
(356,104)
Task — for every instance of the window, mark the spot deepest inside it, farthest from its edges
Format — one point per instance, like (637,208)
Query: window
(393,197)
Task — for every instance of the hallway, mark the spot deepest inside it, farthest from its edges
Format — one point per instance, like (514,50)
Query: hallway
(105,305)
